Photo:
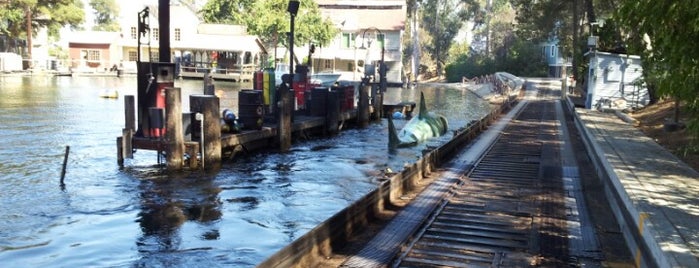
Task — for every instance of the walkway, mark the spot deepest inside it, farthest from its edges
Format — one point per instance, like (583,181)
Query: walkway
(655,193)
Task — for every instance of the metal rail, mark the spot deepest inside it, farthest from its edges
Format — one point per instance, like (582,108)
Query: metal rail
(509,210)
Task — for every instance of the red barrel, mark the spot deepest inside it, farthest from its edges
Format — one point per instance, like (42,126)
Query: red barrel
(258,80)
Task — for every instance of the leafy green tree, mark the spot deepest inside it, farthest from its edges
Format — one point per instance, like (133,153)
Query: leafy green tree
(52,14)
(665,34)
(106,12)
(269,20)
(443,19)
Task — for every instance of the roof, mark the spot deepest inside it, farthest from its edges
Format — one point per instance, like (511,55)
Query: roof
(358,15)
(221,43)
(93,37)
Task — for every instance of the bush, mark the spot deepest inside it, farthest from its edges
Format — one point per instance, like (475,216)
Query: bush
(522,59)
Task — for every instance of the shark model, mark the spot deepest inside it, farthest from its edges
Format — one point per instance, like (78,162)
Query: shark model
(420,128)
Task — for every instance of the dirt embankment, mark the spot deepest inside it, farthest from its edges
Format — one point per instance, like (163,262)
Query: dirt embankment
(680,142)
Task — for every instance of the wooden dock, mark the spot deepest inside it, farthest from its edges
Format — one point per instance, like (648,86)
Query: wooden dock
(192,152)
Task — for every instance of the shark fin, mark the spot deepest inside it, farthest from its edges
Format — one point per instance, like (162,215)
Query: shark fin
(423,107)
(393,140)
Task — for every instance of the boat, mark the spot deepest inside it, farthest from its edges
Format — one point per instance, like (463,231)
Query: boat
(110,94)
(323,79)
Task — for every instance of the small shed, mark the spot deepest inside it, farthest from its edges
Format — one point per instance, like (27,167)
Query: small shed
(92,51)
(615,81)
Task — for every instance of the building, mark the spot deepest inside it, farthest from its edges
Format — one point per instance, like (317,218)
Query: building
(365,27)
(93,51)
(615,81)
(551,53)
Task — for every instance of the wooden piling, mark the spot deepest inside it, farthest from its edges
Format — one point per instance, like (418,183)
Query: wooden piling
(377,99)
(129,127)
(208,105)
(284,123)
(120,152)
(208,84)
(363,106)
(174,136)
(332,113)
(65,163)
(129,112)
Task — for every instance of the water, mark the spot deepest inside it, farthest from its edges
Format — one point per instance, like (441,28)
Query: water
(143,216)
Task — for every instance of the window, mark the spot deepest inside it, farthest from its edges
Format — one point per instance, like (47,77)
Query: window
(381,38)
(328,64)
(156,34)
(133,33)
(347,40)
(92,55)
(178,34)
(553,51)
(133,55)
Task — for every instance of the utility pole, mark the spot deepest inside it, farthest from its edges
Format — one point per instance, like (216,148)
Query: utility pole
(488,11)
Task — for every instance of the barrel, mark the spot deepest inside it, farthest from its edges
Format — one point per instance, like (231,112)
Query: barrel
(319,97)
(349,97)
(156,120)
(250,109)
(268,86)
(340,97)
(257,80)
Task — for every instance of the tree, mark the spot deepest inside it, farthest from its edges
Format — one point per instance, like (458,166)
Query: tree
(667,31)
(269,20)
(52,14)
(106,12)
(443,19)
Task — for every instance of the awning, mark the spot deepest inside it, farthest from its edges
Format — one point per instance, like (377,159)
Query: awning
(220,43)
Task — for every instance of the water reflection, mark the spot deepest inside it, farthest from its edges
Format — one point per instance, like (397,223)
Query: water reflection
(166,205)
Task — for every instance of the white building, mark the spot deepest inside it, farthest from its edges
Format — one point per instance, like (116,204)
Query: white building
(615,81)
(365,27)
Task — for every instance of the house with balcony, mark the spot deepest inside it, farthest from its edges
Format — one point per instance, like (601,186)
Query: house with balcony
(225,51)
(368,29)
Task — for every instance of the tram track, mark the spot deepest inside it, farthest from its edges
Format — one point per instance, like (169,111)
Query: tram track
(509,210)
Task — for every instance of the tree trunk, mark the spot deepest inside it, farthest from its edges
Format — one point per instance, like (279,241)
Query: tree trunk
(575,42)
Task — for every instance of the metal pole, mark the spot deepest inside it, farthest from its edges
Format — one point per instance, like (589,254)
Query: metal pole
(164,22)
(291,47)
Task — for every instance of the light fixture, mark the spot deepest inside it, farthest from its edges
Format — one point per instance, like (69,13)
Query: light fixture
(293,7)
